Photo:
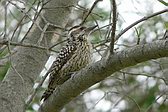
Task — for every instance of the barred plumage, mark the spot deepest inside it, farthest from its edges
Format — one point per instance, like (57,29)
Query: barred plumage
(74,56)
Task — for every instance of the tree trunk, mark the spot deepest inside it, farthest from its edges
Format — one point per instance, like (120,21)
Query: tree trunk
(27,63)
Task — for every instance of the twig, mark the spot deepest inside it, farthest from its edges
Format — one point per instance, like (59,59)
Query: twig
(138,35)
(21,18)
(10,52)
(132,25)
(125,95)
(139,21)
(105,94)
(98,51)
(96,22)
(5,25)
(35,18)
(165,35)
(5,42)
(8,55)
(155,101)
(107,34)
(86,10)
(51,24)
(55,8)
(101,43)
(42,34)
(27,15)
(137,74)
(35,90)
(94,4)
(57,44)
(113,26)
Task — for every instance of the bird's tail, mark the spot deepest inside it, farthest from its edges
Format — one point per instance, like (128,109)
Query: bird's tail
(47,93)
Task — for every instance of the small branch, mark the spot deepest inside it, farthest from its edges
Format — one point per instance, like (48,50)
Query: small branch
(105,95)
(42,34)
(51,24)
(35,90)
(130,26)
(35,18)
(143,74)
(113,26)
(86,10)
(89,12)
(139,21)
(5,19)
(25,15)
(107,34)
(10,59)
(5,42)
(165,35)
(57,44)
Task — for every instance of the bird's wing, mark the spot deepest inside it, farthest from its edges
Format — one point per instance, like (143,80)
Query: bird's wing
(64,55)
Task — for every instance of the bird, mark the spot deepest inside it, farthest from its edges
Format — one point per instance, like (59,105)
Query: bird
(75,55)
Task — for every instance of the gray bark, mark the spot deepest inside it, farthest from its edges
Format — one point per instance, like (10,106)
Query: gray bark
(28,62)
(102,69)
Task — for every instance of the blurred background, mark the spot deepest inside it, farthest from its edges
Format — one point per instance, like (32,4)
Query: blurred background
(140,88)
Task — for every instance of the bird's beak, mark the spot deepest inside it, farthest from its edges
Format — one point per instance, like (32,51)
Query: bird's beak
(89,29)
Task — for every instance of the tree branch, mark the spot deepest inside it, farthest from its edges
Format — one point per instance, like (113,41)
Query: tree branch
(139,21)
(89,12)
(114,21)
(100,70)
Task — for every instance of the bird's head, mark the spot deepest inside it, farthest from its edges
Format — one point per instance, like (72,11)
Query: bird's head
(80,33)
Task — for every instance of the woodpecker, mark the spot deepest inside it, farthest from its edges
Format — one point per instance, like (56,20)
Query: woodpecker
(75,55)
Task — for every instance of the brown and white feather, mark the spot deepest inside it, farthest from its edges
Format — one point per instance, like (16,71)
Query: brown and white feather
(73,57)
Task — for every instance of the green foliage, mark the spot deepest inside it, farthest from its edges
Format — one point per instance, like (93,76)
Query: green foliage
(151,95)
(30,109)
(4,68)
(166,25)
(163,108)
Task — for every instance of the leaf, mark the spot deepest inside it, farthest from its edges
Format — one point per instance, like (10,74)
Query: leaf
(166,25)
(163,2)
(3,70)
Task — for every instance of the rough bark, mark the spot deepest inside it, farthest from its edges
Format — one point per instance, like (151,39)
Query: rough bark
(28,62)
(102,69)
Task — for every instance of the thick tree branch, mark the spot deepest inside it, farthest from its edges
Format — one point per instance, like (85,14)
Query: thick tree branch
(100,70)
(27,63)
